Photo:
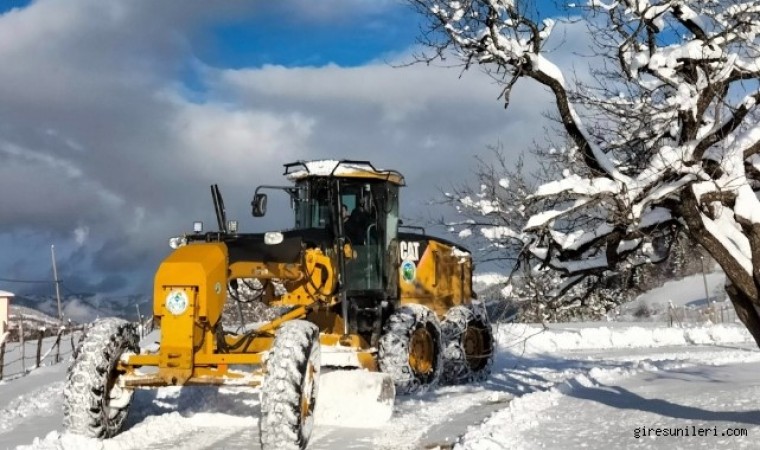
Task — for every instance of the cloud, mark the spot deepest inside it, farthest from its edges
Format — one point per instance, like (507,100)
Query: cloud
(325,11)
(220,141)
(104,152)
(80,235)
(422,121)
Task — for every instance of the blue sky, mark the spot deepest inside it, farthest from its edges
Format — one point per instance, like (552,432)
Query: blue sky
(276,36)
(116,116)
(298,42)
(272,37)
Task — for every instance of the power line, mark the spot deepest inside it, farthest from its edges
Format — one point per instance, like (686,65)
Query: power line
(10,280)
(107,296)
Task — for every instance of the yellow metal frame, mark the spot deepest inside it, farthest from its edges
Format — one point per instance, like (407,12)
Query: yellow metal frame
(188,353)
(442,280)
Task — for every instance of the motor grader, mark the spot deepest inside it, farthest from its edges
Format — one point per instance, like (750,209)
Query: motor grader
(354,290)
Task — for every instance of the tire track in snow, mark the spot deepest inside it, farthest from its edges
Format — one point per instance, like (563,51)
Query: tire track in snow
(199,431)
(194,418)
(177,419)
(167,431)
(46,401)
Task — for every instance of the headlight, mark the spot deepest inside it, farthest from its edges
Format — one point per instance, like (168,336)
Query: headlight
(273,237)
(177,302)
(177,242)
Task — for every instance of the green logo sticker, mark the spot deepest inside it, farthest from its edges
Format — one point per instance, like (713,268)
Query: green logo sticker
(408,271)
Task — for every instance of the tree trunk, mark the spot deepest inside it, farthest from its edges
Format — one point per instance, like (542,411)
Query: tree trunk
(745,310)
(740,286)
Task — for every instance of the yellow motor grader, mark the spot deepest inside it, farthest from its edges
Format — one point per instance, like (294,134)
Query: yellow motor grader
(353,292)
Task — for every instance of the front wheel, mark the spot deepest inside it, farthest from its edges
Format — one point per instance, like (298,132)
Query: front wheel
(289,389)
(410,349)
(94,404)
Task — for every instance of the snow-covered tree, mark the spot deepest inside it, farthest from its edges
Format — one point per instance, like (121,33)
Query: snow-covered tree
(667,138)
(498,205)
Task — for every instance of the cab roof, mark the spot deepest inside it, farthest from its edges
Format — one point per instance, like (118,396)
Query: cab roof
(341,169)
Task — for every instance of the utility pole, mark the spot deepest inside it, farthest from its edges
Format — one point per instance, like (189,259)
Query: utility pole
(704,279)
(140,326)
(57,283)
(707,293)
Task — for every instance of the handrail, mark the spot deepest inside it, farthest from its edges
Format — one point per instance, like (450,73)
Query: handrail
(369,256)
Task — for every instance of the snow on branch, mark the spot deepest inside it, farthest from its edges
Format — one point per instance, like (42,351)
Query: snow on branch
(497,33)
(578,186)
(664,137)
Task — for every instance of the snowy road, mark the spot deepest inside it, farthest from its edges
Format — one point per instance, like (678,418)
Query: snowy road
(629,413)
(628,395)
(557,390)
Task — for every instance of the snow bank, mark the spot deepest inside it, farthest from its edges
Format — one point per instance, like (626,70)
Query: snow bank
(533,338)
(539,396)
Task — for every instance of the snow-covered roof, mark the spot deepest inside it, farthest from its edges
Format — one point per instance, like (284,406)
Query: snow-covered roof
(340,168)
(6,294)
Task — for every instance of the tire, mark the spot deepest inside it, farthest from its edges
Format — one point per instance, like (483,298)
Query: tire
(290,387)
(410,349)
(468,345)
(94,405)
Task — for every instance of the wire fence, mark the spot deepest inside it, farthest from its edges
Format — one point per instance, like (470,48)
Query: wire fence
(714,313)
(37,347)
(33,347)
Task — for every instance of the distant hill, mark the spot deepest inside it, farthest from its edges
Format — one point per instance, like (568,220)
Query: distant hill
(31,321)
(31,315)
(86,308)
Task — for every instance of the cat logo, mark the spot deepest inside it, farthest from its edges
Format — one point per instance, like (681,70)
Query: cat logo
(409,251)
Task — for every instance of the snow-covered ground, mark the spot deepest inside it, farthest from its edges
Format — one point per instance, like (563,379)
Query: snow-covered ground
(690,293)
(593,385)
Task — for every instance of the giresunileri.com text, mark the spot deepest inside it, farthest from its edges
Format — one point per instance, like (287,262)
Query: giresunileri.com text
(688,431)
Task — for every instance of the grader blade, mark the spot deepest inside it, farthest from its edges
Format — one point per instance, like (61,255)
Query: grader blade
(354,398)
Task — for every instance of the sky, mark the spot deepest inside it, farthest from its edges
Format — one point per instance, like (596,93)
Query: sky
(115,117)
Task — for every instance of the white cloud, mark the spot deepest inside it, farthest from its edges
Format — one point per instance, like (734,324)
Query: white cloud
(231,143)
(81,234)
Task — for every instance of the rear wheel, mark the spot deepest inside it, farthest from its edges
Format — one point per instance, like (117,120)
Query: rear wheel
(94,404)
(468,345)
(289,390)
(410,349)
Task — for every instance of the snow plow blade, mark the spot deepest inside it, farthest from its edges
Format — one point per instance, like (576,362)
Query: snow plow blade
(354,398)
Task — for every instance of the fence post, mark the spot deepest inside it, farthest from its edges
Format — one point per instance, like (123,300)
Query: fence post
(2,359)
(40,334)
(58,345)
(22,340)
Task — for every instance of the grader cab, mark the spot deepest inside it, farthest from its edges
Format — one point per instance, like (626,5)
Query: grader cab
(355,296)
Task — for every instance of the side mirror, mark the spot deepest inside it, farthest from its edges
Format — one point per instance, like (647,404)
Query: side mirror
(259,205)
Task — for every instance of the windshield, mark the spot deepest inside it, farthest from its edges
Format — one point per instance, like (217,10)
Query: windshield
(312,207)
(368,212)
